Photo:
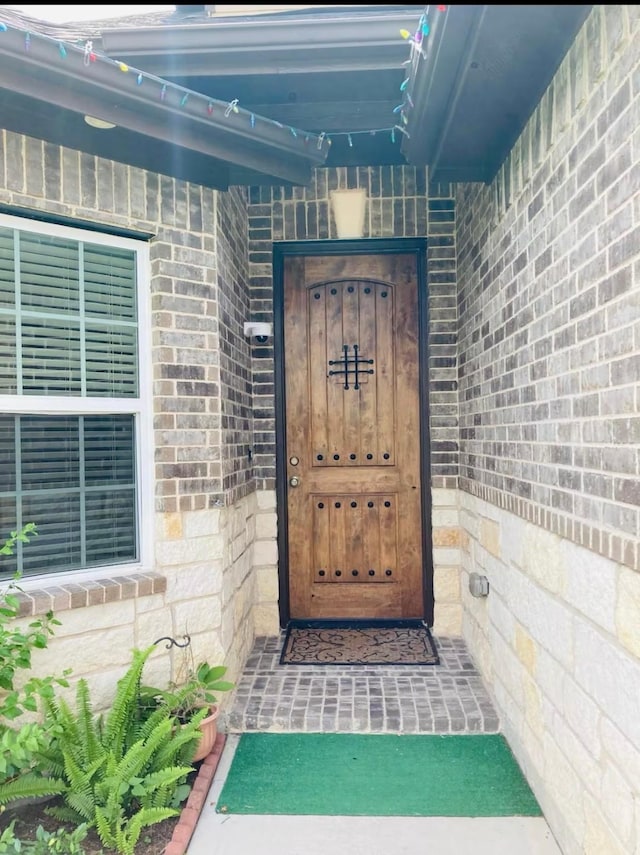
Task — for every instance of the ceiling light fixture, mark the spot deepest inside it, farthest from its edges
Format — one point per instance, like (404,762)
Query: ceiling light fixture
(99,123)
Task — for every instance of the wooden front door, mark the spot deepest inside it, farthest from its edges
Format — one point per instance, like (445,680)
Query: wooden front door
(352,440)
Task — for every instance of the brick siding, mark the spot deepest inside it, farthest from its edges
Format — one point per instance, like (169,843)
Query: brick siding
(548,304)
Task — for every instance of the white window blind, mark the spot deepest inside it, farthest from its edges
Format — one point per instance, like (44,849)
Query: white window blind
(69,332)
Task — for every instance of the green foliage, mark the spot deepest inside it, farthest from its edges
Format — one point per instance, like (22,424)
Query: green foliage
(60,842)
(19,746)
(122,771)
(17,644)
(197,690)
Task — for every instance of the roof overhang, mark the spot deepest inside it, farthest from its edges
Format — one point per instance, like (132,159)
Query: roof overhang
(48,86)
(480,75)
(337,39)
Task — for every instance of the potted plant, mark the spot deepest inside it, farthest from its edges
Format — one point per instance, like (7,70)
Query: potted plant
(195,688)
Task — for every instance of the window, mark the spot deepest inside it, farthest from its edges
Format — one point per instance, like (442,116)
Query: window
(72,416)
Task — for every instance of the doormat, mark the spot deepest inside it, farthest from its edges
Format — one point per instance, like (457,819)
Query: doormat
(346,644)
(347,774)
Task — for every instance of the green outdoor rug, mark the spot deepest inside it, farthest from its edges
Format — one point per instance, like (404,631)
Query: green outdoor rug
(343,774)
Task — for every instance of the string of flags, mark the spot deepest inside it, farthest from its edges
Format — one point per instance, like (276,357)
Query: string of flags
(211,106)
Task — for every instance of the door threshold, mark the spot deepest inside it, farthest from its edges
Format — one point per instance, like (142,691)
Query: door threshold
(349,623)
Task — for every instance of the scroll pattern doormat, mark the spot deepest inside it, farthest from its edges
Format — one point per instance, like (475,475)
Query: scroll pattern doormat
(346,774)
(346,644)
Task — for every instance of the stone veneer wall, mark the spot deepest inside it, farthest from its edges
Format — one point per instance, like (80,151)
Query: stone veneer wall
(401,203)
(549,298)
(199,579)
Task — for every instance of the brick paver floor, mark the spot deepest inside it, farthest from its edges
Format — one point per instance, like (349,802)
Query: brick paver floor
(445,698)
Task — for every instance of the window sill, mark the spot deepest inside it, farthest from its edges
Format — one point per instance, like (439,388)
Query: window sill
(79,595)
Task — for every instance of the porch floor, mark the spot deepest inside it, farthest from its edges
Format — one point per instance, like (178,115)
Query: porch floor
(445,698)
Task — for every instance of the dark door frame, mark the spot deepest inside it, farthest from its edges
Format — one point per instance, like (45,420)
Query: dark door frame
(365,246)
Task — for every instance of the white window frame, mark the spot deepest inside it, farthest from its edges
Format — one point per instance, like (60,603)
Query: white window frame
(141,407)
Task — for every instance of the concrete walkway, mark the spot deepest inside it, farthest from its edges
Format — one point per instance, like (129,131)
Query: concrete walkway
(226,834)
(448,698)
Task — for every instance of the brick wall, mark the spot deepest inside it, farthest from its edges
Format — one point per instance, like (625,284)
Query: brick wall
(200,541)
(401,204)
(549,298)
(548,305)
(185,308)
(235,362)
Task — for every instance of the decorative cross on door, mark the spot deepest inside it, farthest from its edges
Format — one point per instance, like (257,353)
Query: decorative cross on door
(350,365)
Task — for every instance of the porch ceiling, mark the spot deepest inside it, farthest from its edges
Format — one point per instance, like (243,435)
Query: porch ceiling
(339,70)
(327,70)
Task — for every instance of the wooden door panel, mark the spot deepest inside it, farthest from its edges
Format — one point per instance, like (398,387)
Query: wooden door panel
(352,423)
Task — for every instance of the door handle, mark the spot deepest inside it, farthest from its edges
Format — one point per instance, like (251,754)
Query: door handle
(294,482)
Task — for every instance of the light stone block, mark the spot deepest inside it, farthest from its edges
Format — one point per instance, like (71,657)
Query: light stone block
(171,526)
(582,715)
(446,557)
(105,616)
(240,606)
(266,499)
(512,529)
(179,553)
(490,536)
(265,552)
(201,523)
(500,616)
(617,804)
(446,537)
(238,546)
(526,649)
(448,517)
(446,584)
(186,583)
(197,616)
(599,837)
(611,677)
(95,651)
(470,522)
(267,587)
(591,584)
(627,613)
(441,498)
(149,603)
(205,647)
(550,676)
(266,526)
(532,706)
(622,753)
(447,619)
(547,620)
(565,786)
(543,558)
(228,628)
(152,625)
(511,675)
(266,619)
(238,521)
(586,766)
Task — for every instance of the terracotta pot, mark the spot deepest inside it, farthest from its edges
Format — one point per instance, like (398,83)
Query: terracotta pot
(209,731)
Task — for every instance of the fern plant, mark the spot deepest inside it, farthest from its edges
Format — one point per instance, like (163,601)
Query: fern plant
(121,771)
